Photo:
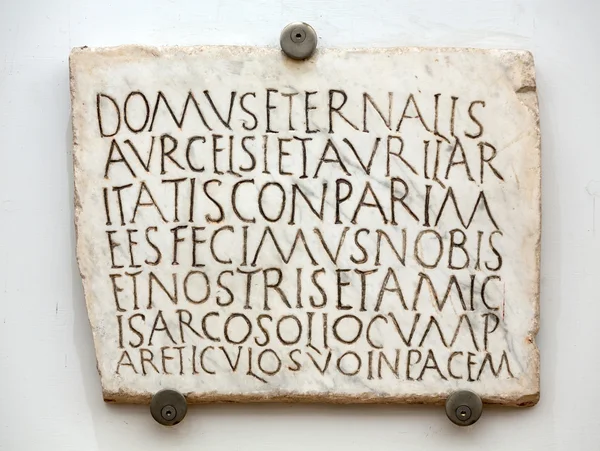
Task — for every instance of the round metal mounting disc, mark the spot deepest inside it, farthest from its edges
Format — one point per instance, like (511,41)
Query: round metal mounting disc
(298,40)
(464,407)
(168,407)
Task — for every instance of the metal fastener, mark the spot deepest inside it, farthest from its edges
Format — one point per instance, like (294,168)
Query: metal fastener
(298,40)
(168,407)
(464,407)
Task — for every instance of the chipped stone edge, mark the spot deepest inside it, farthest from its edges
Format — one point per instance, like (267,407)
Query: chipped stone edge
(127,51)
(75,111)
(134,397)
(520,70)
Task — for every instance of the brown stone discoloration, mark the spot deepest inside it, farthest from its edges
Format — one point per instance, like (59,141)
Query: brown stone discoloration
(331,398)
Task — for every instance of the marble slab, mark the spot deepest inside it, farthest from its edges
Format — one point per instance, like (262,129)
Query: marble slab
(363,226)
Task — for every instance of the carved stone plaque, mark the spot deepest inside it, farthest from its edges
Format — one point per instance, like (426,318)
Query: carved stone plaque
(363,226)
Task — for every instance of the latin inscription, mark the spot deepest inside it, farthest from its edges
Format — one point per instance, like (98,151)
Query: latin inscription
(309,236)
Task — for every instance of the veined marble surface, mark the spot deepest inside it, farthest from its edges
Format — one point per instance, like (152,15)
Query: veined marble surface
(363,226)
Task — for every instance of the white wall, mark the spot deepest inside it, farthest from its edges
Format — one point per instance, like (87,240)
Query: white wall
(50,395)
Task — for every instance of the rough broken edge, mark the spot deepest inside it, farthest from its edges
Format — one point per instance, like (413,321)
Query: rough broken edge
(122,397)
(524,83)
